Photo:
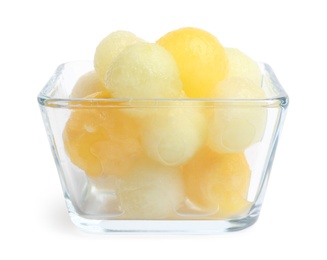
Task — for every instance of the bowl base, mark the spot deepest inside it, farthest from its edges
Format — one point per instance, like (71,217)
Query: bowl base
(111,226)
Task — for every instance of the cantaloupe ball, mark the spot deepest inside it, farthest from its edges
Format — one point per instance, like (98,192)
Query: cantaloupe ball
(101,141)
(150,191)
(218,183)
(241,65)
(88,84)
(144,70)
(200,57)
(233,127)
(108,49)
(171,136)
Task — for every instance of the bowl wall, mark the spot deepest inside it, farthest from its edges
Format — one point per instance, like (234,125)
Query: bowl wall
(162,165)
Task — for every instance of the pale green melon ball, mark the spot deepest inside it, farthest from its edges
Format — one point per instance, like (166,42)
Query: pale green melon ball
(108,49)
(144,70)
(150,191)
(241,65)
(233,127)
(173,135)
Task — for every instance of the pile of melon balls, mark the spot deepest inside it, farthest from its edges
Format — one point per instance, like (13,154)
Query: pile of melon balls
(166,158)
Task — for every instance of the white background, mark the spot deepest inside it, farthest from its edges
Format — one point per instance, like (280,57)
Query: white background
(37,36)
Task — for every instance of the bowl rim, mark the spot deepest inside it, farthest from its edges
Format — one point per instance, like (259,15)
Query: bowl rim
(45,97)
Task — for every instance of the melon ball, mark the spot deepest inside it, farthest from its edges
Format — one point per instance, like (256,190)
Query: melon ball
(150,191)
(101,141)
(200,57)
(89,84)
(234,126)
(241,65)
(218,183)
(171,136)
(144,70)
(108,49)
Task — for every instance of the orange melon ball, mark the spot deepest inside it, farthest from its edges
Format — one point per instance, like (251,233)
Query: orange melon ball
(101,141)
(200,57)
(88,84)
(218,183)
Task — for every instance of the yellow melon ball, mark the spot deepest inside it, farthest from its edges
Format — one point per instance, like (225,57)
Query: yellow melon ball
(171,136)
(218,183)
(241,65)
(201,59)
(88,84)
(144,70)
(150,191)
(235,126)
(101,141)
(108,49)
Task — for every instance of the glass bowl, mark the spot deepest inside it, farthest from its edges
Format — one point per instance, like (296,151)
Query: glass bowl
(161,165)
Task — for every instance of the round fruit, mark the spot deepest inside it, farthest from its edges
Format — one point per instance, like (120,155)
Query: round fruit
(144,70)
(218,183)
(150,191)
(234,126)
(88,84)
(101,141)
(201,59)
(109,48)
(173,135)
(241,65)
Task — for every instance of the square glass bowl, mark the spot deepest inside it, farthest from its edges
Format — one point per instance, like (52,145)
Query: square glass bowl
(162,165)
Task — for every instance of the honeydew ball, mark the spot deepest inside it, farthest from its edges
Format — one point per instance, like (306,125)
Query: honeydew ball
(141,109)
(234,127)
(150,191)
(173,135)
(108,49)
(241,65)
(88,84)
(144,70)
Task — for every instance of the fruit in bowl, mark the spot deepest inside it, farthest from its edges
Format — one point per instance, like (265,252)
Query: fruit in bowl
(166,157)
(174,135)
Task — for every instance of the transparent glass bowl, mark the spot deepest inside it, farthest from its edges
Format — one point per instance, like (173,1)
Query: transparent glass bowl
(162,165)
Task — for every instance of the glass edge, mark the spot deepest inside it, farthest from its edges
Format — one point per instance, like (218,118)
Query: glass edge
(44,97)
(267,69)
(44,94)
